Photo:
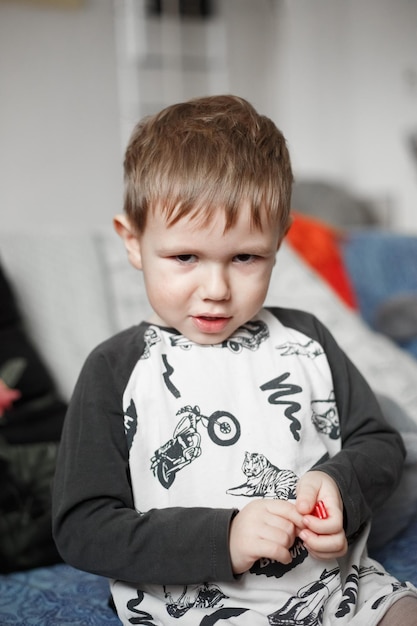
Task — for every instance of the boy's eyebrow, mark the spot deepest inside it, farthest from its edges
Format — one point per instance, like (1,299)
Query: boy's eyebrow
(256,249)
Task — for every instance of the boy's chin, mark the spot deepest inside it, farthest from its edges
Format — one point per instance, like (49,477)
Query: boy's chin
(205,338)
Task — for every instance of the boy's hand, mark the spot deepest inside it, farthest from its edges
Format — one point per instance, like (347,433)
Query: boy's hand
(324,538)
(263,529)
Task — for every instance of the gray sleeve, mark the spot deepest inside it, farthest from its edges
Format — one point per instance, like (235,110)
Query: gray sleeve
(369,466)
(95,524)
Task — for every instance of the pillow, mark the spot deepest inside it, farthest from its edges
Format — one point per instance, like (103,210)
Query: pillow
(59,282)
(319,245)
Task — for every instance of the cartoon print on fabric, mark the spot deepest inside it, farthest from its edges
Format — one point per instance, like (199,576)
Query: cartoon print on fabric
(350,593)
(307,606)
(292,406)
(325,418)
(394,587)
(311,349)
(143,617)
(221,615)
(185,445)
(151,337)
(205,596)
(169,370)
(265,479)
(351,590)
(130,423)
(249,335)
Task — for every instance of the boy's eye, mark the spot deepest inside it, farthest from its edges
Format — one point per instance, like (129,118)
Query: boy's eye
(186,258)
(244,258)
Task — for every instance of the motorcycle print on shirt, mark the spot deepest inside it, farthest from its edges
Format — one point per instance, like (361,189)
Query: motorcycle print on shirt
(185,444)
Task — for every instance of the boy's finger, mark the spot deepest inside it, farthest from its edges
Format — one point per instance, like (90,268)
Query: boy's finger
(286,510)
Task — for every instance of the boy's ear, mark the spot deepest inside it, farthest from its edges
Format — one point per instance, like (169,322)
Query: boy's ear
(124,229)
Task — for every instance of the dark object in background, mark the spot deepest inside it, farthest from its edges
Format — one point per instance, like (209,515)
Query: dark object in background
(183,8)
(25,506)
(38,414)
(397,317)
(31,419)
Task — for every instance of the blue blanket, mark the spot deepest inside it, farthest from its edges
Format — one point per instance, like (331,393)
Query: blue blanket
(55,596)
(383,269)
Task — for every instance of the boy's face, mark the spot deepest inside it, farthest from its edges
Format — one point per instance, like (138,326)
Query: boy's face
(200,280)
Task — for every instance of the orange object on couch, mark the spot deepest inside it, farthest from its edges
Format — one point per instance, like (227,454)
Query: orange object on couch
(318,244)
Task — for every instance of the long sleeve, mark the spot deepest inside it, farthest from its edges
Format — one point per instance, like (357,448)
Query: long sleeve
(95,524)
(369,466)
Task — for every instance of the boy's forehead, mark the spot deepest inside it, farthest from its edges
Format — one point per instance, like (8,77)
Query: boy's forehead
(212,238)
(199,216)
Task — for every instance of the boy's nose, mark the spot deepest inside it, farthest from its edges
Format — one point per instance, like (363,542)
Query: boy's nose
(215,285)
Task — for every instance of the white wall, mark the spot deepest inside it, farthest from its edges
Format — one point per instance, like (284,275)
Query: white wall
(60,157)
(383,77)
(338,76)
(348,96)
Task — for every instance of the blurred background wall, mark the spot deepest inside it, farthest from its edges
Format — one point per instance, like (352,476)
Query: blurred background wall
(339,77)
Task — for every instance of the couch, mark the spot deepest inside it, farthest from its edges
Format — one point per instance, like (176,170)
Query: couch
(75,289)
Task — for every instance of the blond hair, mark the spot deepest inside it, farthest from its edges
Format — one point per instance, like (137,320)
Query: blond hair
(211,152)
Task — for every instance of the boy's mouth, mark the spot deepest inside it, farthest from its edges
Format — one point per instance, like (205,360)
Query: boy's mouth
(210,323)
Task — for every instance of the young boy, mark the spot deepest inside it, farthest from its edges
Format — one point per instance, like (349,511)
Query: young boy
(199,444)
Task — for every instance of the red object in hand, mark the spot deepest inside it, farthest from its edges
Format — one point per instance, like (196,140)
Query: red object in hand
(320,510)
